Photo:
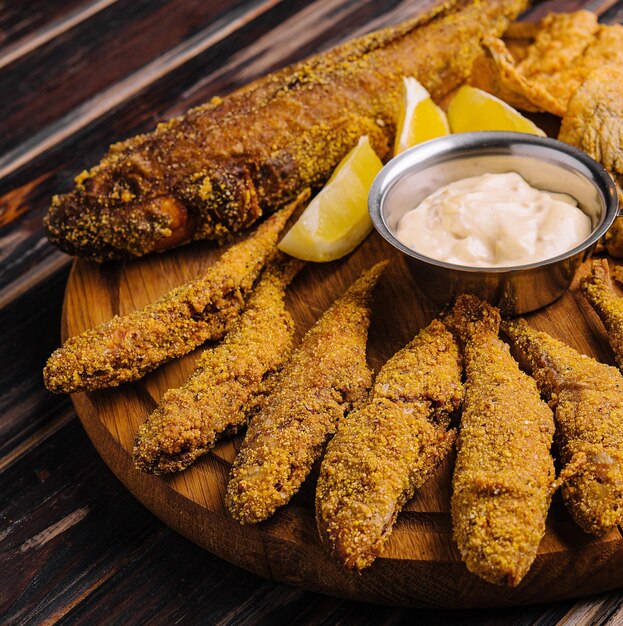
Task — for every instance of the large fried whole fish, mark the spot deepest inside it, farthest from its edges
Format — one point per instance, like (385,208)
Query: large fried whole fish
(382,453)
(228,384)
(608,305)
(504,474)
(588,401)
(128,346)
(326,376)
(218,168)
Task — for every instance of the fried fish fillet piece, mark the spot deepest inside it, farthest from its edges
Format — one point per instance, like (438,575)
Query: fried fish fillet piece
(566,48)
(504,474)
(219,167)
(588,400)
(385,451)
(324,379)
(229,381)
(593,122)
(128,346)
(608,305)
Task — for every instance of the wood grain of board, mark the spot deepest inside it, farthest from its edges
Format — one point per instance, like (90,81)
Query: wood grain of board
(420,565)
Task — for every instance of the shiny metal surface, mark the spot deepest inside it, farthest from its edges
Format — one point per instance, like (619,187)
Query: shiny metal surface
(545,163)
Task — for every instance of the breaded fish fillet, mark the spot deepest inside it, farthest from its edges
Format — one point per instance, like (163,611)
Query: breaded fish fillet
(229,382)
(325,378)
(565,49)
(128,346)
(222,165)
(385,451)
(588,401)
(594,123)
(504,474)
(609,306)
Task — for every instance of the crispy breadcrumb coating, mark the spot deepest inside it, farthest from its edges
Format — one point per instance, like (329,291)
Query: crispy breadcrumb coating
(219,167)
(128,346)
(382,453)
(609,306)
(325,378)
(228,383)
(504,472)
(588,400)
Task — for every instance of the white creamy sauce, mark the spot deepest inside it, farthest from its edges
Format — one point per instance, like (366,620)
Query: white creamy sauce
(493,220)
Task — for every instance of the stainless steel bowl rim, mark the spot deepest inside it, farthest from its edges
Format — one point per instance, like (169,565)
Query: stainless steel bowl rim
(486,142)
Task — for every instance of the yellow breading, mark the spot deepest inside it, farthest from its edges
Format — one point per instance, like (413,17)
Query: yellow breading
(598,291)
(382,453)
(128,346)
(588,400)
(504,473)
(228,384)
(325,378)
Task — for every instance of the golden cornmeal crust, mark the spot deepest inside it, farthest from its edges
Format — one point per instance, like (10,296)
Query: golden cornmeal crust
(325,378)
(587,397)
(382,453)
(222,165)
(228,383)
(504,473)
(127,347)
(609,307)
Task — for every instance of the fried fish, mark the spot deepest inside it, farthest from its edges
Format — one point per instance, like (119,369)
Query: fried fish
(219,167)
(385,451)
(504,474)
(324,379)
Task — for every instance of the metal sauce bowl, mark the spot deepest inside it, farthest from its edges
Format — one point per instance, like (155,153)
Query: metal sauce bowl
(545,163)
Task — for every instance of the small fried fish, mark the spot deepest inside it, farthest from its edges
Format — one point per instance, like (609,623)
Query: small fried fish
(385,451)
(504,474)
(588,400)
(609,306)
(324,379)
(229,381)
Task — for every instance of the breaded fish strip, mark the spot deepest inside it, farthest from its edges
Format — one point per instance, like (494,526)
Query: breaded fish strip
(127,347)
(325,378)
(382,453)
(588,400)
(228,383)
(222,165)
(609,306)
(504,471)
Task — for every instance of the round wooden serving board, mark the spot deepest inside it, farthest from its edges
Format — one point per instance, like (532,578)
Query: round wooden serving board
(420,565)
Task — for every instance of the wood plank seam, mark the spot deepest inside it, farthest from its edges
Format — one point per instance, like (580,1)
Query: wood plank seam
(51,31)
(94,108)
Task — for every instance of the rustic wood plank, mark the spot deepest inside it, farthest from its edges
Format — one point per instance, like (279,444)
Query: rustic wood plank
(22,20)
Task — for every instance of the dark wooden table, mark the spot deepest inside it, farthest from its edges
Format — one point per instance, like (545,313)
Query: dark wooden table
(76,75)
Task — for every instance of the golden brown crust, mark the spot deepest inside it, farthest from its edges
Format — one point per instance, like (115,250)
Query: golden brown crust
(128,346)
(566,48)
(219,167)
(504,472)
(588,400)
(598,291)
(326,376)
(229,382)
(382,453)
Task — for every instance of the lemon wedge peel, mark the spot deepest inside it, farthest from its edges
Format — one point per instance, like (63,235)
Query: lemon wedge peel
(420,120)
(336,221)
(472,109)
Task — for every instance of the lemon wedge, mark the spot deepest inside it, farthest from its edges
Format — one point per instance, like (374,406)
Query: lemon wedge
(473,109)
(336,221)
(420,119)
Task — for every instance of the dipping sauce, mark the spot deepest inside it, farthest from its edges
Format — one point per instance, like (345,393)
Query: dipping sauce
(493,220)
